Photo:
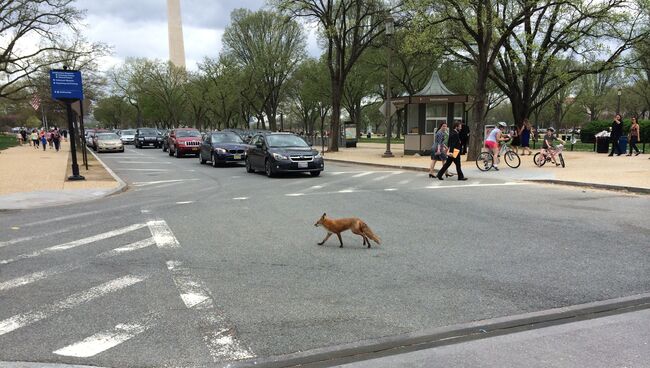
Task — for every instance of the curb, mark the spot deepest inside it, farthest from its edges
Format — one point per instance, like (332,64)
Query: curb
(122,184)
(618,188)
(430,338)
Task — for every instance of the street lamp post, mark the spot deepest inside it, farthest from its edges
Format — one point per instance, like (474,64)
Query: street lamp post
(390,29)
(618,105)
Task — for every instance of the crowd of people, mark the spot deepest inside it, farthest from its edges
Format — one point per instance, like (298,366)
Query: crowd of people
(42,138)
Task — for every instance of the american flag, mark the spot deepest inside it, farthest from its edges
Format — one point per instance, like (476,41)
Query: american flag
(35,102)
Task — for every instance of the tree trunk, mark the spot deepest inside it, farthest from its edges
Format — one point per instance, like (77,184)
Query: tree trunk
(477,124)
(335,123)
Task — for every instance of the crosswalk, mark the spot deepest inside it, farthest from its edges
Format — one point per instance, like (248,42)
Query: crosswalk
(88,296)
(376,181)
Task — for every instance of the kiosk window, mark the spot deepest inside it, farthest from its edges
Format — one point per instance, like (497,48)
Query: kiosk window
(436,115)
(412,121)
(458,111)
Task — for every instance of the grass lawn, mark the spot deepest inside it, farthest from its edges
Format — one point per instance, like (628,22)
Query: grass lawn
(380,140)
(7,141)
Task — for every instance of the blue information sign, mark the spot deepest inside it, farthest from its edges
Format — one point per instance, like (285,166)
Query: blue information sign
(66,84)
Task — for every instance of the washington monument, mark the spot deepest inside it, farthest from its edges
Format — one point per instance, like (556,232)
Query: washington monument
(175,30)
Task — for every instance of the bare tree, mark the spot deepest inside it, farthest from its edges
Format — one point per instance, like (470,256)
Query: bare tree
(22,21)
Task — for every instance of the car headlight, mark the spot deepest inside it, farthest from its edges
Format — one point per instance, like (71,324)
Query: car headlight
(160,139)
(318,155)
(278,156)
(220,150)
(140,139)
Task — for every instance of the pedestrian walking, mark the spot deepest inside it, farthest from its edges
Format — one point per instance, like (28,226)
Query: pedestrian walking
(615,135)
(524,137)
(633,137)
(454,153)
(43,140)
(56,139)
(439,150)
(19,138)
(65,135)
(48,137)
(34,138)
(23,134)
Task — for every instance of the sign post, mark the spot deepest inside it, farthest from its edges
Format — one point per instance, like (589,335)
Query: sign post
(67,87)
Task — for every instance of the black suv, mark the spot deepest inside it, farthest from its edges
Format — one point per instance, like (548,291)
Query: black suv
(282,152)
(147,137)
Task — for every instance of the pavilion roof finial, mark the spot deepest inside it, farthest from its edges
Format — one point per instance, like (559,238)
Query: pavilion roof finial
(435,87)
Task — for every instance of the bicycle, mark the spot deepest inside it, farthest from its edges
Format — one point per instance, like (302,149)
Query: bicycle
(485,160)
(546,155)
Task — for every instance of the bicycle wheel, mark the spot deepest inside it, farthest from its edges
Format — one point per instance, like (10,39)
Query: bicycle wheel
(561,159)
(512,159)
(484,161)
(539,159)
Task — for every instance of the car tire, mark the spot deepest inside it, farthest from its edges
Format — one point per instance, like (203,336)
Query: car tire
(122,151)
(201,160)
(314,173)
(178,153)
(214,161)
(249,168)
(268,169)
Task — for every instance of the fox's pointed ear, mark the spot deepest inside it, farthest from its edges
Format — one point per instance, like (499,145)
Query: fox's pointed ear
(324,214)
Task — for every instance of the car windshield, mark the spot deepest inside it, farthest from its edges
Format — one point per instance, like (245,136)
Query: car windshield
(226,138)
(149,131)
(188,133)
(282,140)
(107,136)
(128,132)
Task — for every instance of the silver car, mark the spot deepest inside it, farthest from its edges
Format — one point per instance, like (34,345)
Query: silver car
(107,142)
(128,136)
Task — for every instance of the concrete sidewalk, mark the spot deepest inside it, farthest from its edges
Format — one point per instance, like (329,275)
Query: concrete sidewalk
(33,178)
(586,168)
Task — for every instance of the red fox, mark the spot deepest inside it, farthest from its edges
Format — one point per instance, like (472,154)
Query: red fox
(337,226)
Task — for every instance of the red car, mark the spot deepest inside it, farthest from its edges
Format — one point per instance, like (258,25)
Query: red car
(183,141)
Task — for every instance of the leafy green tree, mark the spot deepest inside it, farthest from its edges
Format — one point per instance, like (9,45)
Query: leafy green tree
(114,112)
(308,90)
(347,28)
(269,45)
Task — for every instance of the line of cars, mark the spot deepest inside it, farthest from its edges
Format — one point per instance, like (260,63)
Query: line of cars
(270,152)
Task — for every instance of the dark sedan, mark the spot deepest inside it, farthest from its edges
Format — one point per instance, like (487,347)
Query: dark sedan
(147,137)
(283,152)
(222,147)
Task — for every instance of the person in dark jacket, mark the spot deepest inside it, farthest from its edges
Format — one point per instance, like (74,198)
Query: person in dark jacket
(454,144)
(617,132)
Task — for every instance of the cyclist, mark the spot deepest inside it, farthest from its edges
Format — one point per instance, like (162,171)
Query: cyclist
(493,140)
(548,145)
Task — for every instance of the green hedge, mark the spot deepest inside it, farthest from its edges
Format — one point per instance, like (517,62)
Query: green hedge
(588,132)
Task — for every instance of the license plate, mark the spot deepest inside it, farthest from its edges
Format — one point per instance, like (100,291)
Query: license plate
(303,164)
(237,157)
(195,149)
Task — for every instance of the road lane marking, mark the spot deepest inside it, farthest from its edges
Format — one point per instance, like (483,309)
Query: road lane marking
(218,338)
(240,198)
(295,194)
(387,176)
(348,190)
(41,275)
(125,169)
(162,234)
(105,340)
(403,182)
(185,202)
(390,189)
(145,183)
(363,174)
(74,244)
(25,319)
(472,185)
(145,162)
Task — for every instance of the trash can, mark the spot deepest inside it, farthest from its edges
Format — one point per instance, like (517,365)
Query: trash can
(602,144)
(622,144)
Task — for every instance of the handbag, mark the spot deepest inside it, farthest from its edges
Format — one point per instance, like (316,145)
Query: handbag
(455,153)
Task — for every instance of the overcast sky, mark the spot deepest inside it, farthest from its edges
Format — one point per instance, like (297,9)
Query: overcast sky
(138,28)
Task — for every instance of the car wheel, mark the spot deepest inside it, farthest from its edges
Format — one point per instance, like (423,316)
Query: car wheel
(214,161)
(122,150)
(178,153)
(249,168)
(314,173)
(201,160)
(268,169)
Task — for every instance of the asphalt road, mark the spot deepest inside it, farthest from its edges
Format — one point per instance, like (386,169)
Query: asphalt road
(195,265)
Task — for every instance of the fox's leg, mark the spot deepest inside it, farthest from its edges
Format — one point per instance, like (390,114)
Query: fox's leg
(361,234)
(326,237)
(340,240)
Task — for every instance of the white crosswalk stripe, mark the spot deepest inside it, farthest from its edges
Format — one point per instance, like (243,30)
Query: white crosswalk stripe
(74,244)
(25,319)
(105,340)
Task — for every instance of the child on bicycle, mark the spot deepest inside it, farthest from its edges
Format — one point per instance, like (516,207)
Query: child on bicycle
(548,145)
(493,140)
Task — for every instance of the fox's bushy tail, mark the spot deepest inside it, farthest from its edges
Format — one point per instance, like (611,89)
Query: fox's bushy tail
(367,232)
